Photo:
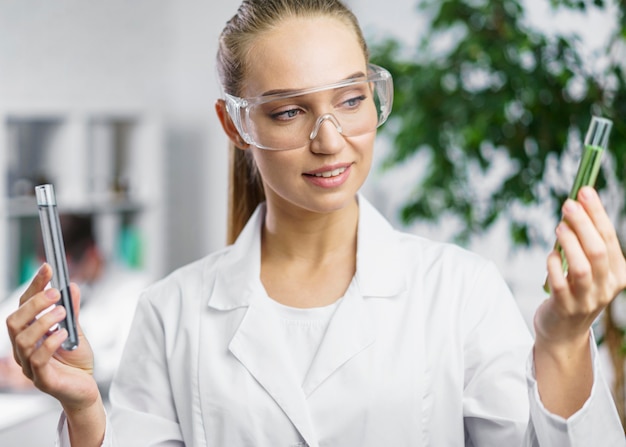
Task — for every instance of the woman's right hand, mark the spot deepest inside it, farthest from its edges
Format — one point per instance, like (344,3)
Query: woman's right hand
(65,375)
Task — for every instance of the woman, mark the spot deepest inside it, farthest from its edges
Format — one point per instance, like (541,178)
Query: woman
(321,325)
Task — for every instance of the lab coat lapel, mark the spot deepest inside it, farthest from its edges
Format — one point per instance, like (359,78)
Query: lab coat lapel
(349,332)
(352,328)
(258,345)
(379,271)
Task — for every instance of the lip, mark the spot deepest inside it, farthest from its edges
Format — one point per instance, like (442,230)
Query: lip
(331,181)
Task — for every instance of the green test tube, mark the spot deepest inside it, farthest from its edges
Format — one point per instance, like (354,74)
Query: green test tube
(596,142)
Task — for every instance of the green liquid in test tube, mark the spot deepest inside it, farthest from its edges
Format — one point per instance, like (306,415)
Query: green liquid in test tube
(596,142)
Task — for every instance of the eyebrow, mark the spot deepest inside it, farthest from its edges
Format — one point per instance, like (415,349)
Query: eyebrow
(358,74)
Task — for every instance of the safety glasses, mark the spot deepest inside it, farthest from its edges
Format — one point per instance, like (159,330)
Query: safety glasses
(290,120)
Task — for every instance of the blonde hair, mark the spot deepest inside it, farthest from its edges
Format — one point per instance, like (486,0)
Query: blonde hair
(253,18)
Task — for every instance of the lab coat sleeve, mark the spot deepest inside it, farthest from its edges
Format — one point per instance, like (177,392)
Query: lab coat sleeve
(63,439)
(596,423)
(143,411)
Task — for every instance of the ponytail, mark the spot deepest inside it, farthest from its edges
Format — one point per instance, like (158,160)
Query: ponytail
(245,190)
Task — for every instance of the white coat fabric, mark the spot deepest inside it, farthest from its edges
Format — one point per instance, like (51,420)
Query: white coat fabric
(428,350)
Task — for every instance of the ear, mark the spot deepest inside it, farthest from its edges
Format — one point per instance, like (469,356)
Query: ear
(228,125)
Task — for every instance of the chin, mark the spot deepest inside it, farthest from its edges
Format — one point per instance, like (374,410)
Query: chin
(333,202)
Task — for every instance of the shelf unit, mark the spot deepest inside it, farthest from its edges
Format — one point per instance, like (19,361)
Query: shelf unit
(108,164)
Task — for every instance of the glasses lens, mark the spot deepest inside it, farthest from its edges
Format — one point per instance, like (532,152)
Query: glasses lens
(283,123)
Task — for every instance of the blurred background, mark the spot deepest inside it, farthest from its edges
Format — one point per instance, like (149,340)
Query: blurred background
(113,103)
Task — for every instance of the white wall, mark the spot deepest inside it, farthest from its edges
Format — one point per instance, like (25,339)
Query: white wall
(147,55)
(198,158)
(78,54)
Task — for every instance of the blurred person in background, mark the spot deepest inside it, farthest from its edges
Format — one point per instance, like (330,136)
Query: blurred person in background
(109,293)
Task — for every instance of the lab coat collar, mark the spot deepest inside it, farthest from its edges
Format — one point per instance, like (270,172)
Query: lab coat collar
(259,346)
(238,274)
(378,273)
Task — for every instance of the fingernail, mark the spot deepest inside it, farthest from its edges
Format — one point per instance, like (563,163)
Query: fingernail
(58,310)
(61,333)
(41,269)
(52,294)
(586,192)
(570,206)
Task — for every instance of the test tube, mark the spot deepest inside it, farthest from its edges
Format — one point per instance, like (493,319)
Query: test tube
(55,256)
(596,142)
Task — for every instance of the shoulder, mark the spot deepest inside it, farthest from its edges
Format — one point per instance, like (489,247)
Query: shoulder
(395,255)
(448,272)
(224,273)
(383,244)
(437,274)
(185,286)
(377,233)
(428,253)
(458,288)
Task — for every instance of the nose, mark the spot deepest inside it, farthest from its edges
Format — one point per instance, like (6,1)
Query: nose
(325,117)
(324,138)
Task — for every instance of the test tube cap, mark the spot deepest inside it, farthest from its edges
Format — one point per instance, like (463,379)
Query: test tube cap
(45,195)
(598,132)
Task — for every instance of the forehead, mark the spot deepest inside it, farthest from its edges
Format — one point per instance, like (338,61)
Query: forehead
(301,53)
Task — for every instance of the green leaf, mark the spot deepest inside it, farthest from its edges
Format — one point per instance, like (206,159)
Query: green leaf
(501,85)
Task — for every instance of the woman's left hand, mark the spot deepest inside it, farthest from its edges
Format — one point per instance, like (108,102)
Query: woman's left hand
(596,274)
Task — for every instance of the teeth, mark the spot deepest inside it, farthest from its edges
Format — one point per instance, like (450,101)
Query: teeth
(333,173)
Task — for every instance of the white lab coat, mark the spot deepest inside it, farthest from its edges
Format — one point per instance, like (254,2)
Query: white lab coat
(430,350)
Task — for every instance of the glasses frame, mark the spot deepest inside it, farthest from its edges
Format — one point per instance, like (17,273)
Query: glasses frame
(239,108)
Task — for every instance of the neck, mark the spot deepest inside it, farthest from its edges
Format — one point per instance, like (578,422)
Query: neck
(308,259)
(309,236)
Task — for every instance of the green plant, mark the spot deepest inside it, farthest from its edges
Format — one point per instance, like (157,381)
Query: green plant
(501,88)
(498,88)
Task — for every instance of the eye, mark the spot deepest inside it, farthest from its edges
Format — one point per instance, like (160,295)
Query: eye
(352,98)
(285,115)
(353,103)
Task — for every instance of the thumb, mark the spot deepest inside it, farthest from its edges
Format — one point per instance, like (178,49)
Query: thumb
(75,293)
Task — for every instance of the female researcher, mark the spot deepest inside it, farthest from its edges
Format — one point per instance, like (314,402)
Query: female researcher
(321,325)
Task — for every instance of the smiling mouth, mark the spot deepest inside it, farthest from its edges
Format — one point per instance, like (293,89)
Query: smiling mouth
(333,173)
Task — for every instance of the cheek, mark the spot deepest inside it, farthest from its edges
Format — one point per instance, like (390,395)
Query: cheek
(364,146)
(272,166)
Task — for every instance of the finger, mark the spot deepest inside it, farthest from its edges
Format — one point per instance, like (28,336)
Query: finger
(559,288)
(581,222)
(39,282)
(579,272)
(28,340)
(28,311)
(75,293)
(41,357)
(589,199)
(589,238)
(76,299)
